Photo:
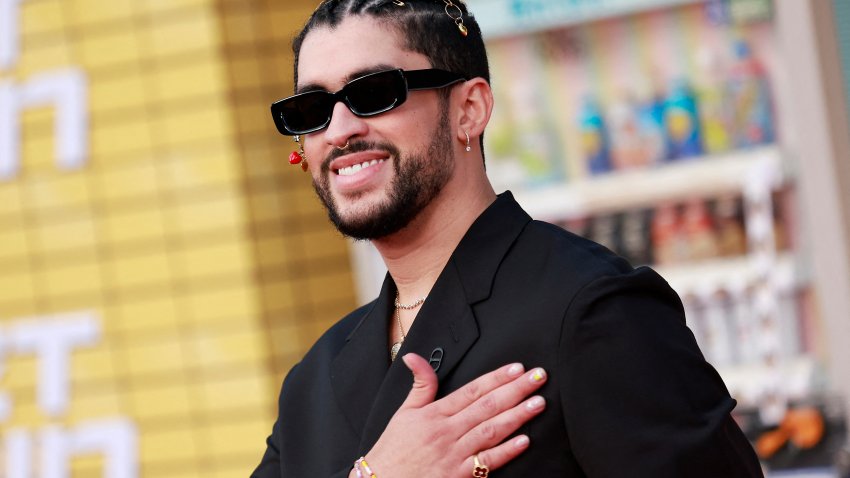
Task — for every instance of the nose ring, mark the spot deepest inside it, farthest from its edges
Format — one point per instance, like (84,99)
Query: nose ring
(343,148)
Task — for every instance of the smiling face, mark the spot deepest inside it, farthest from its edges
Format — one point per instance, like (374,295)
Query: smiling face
(397,162)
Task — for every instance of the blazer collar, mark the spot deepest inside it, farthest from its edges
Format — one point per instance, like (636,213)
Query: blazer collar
(369,389)
(480,252)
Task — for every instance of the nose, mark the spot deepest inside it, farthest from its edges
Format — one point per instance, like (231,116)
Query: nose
(344,125)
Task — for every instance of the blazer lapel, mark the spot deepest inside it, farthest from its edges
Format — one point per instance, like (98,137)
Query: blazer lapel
(445,328)
(361,365)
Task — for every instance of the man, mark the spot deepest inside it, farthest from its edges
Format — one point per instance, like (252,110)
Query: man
(392,100)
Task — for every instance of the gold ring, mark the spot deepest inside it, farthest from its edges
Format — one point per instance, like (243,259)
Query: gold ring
(343,148)
(480,470)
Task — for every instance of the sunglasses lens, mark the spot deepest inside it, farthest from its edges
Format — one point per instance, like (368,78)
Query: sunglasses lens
(306,112)
(376,93)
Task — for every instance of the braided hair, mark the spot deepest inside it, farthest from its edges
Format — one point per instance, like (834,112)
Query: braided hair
(424,25)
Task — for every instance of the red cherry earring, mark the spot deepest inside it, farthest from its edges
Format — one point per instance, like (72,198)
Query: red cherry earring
(297,157)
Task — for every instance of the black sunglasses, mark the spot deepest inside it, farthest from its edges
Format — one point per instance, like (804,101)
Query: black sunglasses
(368,95)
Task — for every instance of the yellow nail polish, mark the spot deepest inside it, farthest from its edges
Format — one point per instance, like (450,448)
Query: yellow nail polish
(538,375)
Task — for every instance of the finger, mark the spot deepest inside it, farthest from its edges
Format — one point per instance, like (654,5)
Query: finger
(498,456)
(424,388)
(501,399)
(491,432)
(463,397)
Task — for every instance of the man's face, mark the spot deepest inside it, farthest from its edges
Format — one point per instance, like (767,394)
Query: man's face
(396,162)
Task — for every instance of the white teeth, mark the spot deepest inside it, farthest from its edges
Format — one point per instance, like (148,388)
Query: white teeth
(355,168)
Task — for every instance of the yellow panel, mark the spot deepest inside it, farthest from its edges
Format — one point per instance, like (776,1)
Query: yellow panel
(11,202)
(128,134)
(175,443)
(38,155)
(142,224)
(211,350)
(37,122)
(62,234)
(202,77)
(166,470)
(94,363)
(219,259)
(196,168)
(62,304)
(99,402)
(287,338)
(150,314)
(271,251)
(229,470)
(14,243)
(279,295)
(20,372)
(16,286)
(156,402)
(96,11)
(184,33)
(27,414)
(87,465)
(161,354)
(235,438)
(223,212)
(18,309)
(335,285)
(57,191)
(38,18)
(162,6)
(141,270)
(247,391)
(112,47)
(80,279)
(209,120)
(118,93)
(129,180)
(44,56)
(238,303)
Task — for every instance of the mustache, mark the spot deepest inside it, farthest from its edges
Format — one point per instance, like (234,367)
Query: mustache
(356,146)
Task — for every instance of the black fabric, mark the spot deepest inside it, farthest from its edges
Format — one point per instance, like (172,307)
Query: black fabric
(629,393)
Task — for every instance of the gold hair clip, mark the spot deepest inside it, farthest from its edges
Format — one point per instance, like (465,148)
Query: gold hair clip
(457,19)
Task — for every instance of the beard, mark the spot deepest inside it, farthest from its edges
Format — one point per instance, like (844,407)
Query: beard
(418,179)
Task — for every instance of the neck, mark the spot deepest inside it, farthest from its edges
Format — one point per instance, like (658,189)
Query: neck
(416,255)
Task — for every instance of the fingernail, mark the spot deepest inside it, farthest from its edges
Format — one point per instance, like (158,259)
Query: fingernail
(521,442)
(515,370)
(538,375)
(535,403)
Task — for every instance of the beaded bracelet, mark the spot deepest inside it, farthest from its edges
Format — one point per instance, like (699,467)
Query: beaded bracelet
(361,463)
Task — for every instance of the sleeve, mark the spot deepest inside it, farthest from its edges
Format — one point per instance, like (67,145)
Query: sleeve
(269,466)
(638,397)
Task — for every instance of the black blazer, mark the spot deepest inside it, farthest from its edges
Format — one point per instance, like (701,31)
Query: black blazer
(629,393)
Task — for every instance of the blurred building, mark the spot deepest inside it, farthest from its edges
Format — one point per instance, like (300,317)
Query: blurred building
(161,266)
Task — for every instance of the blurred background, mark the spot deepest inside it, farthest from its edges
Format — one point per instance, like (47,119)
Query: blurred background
(162,266)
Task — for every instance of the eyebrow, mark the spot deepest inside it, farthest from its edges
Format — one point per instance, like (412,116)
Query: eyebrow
(351,76)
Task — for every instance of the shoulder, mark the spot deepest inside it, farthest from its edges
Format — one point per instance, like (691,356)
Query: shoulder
(550,248)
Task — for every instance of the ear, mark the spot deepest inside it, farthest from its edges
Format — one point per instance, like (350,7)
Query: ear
(475,99)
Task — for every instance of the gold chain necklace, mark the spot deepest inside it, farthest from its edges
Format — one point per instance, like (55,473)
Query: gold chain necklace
(398,306)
